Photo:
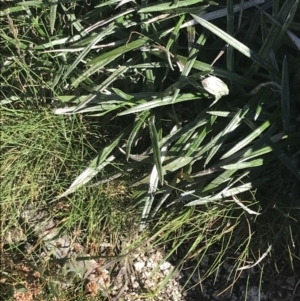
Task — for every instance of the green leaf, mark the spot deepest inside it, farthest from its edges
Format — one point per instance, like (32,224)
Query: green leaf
(189,63)
(139,121)
(173,37)
(236,44)
(114,76)
(233,124)
(162,102)
(87,50)
(276,32)
(187,177)
(242,165)
(168,6)
(248,139)
(222,178)
(108,57)
(97,164)
(231,76)
(225,193)
(200,137)
(53,9)
(177,163)
(218,140)
(156,149)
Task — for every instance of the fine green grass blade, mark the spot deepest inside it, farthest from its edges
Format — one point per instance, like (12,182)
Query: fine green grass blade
(146,31)
(72,18)
(13,41)
(11,10)
(156,149)
(285,96)
(258,110)
(275,7)
(236,44)
(241,13)
(166,194)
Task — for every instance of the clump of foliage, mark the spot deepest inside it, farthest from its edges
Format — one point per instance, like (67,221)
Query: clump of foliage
(205,98)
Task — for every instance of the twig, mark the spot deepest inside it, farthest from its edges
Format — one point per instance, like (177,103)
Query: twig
(245,207)
(258,261)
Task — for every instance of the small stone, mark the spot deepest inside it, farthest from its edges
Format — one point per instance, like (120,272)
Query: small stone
(135,284)
(139,265)
(166,265)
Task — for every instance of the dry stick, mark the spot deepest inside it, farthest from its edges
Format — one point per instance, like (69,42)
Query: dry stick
(257,262)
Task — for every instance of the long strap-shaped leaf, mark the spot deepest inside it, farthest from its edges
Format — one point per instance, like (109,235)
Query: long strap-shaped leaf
(230,192)
(162,102)
(198,65)
(154,177)
(108,57)
(250,137)
(285,17)
(156,149)
(139,121)
(236,44)
(189,63)
(168,5)
(95,166)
